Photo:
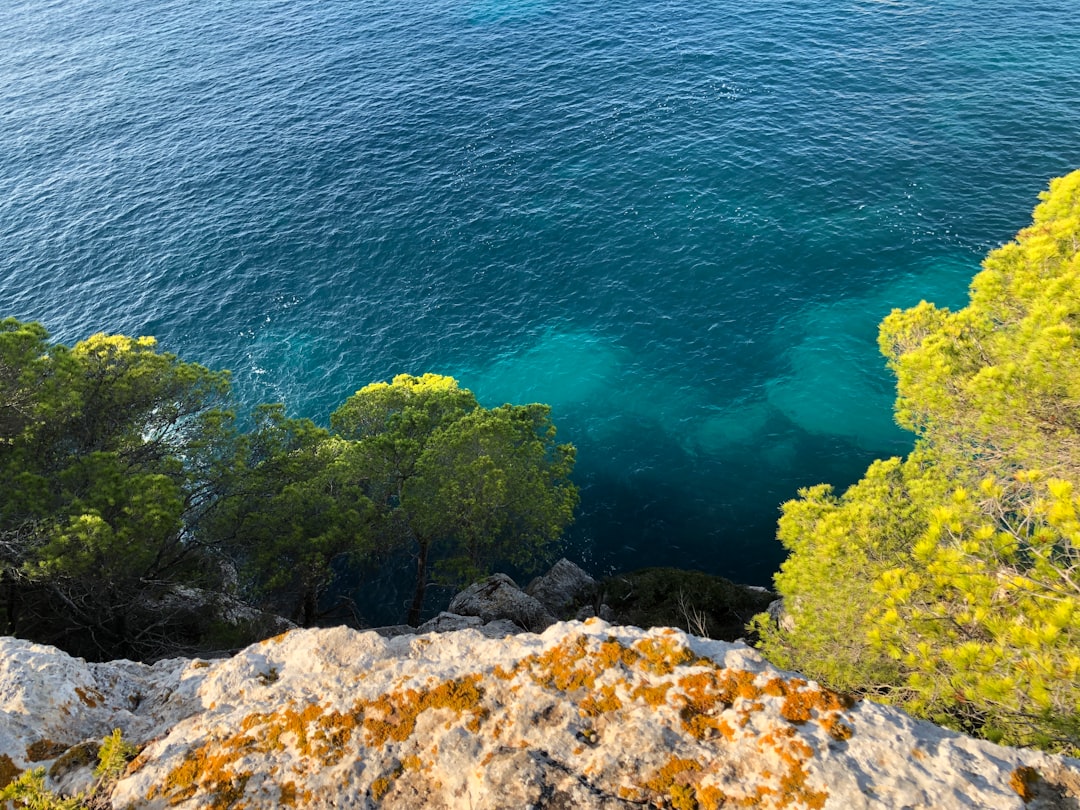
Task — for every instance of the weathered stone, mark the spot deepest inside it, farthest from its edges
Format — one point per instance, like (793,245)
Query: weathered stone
(603,612)
(500,628)
(447,622)
(585,716)
(781,618)
(498,597)
(563,587)
(392,630)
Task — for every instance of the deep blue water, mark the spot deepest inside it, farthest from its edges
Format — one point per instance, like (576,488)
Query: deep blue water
(677,222)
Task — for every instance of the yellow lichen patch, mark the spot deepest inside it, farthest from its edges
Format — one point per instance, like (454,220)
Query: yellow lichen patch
(564,667)
(775,687)
(288,794)
(311,729)
(91,697)
(835,728)
(411,763)
(792,788)
(706,693)
(44,749)
(651,694)
(381,786)
(1023,780)
(331,731)
(596,703)
(208,768)
(393,716)
(275,639)
(631,794)
(9,771)
(612,653)
(676,783)
(710,797)
(661,656)
(803,703)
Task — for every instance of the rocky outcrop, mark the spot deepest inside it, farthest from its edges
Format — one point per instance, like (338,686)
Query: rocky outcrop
(581,716)
(498,598)
(693,600)
(563,588)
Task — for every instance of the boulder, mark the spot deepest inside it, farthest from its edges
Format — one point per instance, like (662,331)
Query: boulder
(780,617)
(563,588)
(499,597)
(447,622)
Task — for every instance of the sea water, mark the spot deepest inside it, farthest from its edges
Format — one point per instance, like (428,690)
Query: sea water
(678,222)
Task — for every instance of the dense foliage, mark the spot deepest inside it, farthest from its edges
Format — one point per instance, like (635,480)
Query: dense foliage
(457,481)
(949,581)
(128,494)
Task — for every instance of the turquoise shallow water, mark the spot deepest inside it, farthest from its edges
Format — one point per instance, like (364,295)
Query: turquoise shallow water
(677,222)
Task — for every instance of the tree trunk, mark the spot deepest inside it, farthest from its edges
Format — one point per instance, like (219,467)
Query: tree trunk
(310,609)
(421,584)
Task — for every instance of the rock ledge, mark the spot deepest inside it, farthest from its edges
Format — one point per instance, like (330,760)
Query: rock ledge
(580,716)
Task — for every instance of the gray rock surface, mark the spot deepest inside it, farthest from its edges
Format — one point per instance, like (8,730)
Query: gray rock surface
(585,716)
(561,588)
(447,622)
(498,597)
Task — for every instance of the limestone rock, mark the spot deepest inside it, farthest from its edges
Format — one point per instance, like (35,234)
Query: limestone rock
(447,622)
(781,618)
(498,597)
(582,716)
(562,587)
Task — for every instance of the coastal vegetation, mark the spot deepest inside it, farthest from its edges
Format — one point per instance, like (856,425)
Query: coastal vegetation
(948,581)
(130,490)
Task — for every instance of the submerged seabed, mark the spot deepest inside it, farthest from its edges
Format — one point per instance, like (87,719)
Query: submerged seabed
(678,223)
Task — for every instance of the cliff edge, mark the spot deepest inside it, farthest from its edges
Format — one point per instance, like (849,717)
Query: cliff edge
(584,715)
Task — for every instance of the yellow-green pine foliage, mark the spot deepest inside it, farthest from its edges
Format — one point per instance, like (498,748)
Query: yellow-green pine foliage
(114,755)
(29,792)
(949,582)
(998,382)
(982,613)
(839,546)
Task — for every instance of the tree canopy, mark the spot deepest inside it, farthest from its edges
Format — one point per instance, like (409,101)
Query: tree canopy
(124,475)
(99,476)
(457,484)
(949,581)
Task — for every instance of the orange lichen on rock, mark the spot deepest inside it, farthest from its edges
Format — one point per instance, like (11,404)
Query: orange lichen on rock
(792,787)
(314,732)
(661,656)
(1023,780)
(600,702)
(381,786)
(209,769)
(565,667)
(651,694)
(802,702)
(678,785)
(91,697)
(289,796)
(397,711)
